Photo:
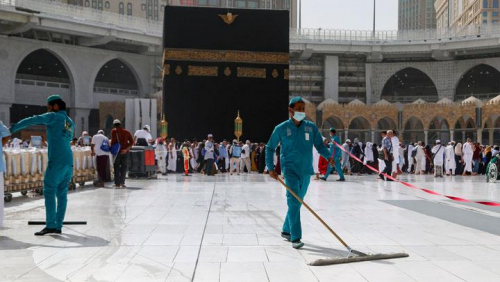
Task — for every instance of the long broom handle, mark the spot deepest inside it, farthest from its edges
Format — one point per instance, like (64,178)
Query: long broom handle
(315,214)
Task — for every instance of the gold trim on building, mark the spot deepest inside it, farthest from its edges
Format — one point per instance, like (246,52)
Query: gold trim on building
(275,73)
(251,72)
(203,71)
(178,70)
(226,56)
(228,18)
(286,74)
(166,70)
(227,71)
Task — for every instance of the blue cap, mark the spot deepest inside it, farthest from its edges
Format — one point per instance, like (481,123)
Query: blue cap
(333,129)
(53,98)
(295,100)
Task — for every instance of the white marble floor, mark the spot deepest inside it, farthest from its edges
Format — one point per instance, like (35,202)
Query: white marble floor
(226,228)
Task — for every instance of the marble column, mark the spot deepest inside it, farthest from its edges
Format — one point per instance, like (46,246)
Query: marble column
(332,77)
(373,136)
(451,134)
(426,139)
(5,114)
(346,134)
(464,136)
(490,137)
(81,120)
(479,137)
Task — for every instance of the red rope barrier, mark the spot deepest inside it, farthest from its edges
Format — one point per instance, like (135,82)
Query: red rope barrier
(457,199)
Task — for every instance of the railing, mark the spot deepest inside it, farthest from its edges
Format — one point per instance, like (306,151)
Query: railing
(115,91)
(410,99)
(87,15)
(38,83)
(395,36)
(483,96)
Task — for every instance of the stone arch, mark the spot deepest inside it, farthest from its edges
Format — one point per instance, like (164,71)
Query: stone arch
(491,121)
(465,127)
(359,127)
(332,121)
(65,62)
(465,122)
(478,81)
(409,84)
(439,128)
(127,65)
(385,123)
(413,130)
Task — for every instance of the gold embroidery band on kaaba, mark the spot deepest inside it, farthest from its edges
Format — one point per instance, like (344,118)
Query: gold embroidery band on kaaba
(225,56)
(202,71)
(251,72)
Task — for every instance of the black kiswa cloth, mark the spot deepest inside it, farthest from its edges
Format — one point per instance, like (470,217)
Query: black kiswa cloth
(196,102)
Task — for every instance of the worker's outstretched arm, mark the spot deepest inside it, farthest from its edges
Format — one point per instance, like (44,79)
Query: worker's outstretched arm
(44,119)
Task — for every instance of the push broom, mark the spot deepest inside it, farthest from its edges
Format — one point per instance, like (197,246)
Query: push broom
(358,256)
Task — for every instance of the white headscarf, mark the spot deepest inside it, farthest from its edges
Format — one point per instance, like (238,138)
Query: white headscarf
(368,152)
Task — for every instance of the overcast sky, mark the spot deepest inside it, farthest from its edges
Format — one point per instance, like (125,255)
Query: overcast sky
(349,14)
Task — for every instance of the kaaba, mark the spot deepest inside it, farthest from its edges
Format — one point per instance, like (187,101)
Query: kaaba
(221,61)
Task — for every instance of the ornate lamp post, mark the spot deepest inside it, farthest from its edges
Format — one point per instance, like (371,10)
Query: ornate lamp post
(238,127)
(163,127)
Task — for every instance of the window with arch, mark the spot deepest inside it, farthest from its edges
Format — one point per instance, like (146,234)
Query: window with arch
(121,8)
(87,3)
(94,4)
(129,9)
(100,5)
(143,7)
(106,5)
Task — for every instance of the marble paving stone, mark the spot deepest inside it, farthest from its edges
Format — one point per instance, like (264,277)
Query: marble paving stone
(244,272)
(240,240)
(187,254)
(289,271)
(336,273)
(246,254)
(166,230)
(468,271)
(213,254)
(207,272)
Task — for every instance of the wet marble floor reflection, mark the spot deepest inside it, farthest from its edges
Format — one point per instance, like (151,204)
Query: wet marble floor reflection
(226,228)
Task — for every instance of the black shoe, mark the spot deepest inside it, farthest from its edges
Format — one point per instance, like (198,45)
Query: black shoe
(341,179)
(48,231)
(287,236)
(323,178)
(297,244)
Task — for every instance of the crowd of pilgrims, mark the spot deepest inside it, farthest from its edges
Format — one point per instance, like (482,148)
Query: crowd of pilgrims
(469,158)
(224,157)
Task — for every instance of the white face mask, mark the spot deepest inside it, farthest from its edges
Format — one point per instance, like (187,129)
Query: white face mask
(299,116)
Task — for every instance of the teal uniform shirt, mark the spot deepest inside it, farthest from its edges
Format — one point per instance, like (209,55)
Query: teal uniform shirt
(334,148)
(60,130)
(296,147)
(337,153)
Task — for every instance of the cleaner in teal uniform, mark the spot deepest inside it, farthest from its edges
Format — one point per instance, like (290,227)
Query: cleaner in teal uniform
(335,151)
(297,138)
(60,130)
